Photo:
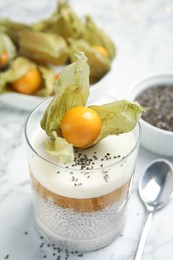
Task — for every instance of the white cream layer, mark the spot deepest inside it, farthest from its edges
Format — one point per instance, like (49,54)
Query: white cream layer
(75,183)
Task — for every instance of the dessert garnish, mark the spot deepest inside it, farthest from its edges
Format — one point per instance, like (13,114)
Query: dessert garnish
(65,121)
(81,126)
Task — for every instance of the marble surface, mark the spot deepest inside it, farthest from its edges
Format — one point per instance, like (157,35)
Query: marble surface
(142,31)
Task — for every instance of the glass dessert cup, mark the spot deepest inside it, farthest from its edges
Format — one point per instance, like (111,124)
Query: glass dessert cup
(81,206)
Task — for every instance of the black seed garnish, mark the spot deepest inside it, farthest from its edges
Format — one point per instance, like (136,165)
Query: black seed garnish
(42,244)
(106,177)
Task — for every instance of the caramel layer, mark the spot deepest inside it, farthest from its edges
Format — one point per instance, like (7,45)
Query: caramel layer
(81,205)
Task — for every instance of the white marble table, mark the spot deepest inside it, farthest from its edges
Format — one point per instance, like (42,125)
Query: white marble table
(142,31)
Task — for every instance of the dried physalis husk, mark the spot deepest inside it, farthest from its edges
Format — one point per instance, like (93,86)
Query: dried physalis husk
(7,51)
(97,37)
(63,22)
(48,77)
(13,29)
(19,68)
(69,24)
(43,47)
(98,63)
(118,117)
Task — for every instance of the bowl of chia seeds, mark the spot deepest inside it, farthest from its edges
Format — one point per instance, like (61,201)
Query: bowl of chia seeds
(156,93)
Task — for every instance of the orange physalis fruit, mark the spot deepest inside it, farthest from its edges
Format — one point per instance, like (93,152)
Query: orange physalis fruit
(3,59)
(81,126)
(56,76)
(102,50)
(29,83)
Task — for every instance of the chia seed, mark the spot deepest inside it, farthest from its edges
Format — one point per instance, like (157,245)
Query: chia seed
(159,100)
(41,245)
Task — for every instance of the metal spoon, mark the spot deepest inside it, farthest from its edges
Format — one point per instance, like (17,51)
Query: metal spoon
(155,188)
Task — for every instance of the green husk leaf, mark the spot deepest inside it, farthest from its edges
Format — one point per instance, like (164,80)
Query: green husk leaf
(43,47)
(6,45)
(13,29)
(99,65)
(69,24)
(118,117)
(97,36)
(60,147)
(72,90)
(48,80)
(63,21)
(47,25)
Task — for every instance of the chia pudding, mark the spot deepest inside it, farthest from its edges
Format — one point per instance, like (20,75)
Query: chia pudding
(82,205)
(159,100)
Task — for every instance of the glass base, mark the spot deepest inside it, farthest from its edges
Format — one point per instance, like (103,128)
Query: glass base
(80,245)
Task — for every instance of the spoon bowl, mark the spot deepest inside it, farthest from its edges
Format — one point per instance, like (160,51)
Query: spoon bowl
(155,189)
(156,185)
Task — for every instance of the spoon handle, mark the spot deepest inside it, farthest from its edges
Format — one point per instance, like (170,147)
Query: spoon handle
(143,237)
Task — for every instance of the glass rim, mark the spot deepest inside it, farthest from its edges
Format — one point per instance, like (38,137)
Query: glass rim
(137,143)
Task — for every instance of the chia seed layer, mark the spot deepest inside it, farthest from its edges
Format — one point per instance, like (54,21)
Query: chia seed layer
(159,100)
(78,231)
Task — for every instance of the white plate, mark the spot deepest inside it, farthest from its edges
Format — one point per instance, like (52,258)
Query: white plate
(21,101)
